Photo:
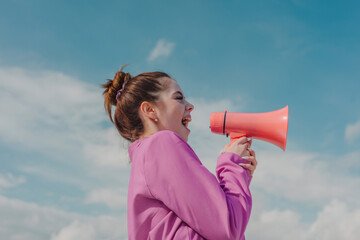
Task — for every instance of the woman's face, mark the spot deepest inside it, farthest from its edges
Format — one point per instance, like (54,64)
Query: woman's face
(173,111)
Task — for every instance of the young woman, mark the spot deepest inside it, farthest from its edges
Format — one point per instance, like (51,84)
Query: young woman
(171,194)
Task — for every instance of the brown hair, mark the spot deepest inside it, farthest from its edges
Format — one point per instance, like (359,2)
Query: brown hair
(143,87)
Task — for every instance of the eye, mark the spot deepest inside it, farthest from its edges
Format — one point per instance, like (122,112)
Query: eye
(179,98)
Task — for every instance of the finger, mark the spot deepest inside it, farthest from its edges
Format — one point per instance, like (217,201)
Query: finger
(246,153)
(241,140)
(250,167)
(251,159)
(255,163)
(252,152)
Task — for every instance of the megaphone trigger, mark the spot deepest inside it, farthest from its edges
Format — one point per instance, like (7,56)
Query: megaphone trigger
(235,136)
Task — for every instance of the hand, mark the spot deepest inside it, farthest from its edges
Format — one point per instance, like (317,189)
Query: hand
(251,166)
(240,147)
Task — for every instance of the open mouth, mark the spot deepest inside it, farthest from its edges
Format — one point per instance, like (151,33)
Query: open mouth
(185,121)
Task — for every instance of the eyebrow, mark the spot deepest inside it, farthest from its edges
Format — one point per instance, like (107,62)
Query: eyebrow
(178,92)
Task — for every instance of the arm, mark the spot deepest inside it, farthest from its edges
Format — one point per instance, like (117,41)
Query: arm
(176,177)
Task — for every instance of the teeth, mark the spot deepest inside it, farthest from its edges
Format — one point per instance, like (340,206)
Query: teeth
(185,121)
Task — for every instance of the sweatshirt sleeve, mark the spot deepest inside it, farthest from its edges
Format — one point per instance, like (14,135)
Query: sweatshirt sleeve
(215,209)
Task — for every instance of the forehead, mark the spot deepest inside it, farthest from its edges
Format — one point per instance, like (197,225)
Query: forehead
(172,86)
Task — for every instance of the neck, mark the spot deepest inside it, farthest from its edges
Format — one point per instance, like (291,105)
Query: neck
(150,128)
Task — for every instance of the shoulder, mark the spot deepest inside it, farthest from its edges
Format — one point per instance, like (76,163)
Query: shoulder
(161,146)
(167,143)
(157,141)
(165,136)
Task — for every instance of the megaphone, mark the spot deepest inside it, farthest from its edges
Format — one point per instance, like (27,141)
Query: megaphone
(269,126)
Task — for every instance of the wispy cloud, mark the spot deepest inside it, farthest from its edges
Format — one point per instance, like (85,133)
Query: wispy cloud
(113,198)
(58,116)
(46,111)
(17,217)
(270,221)
(163,48)
(8,180)
(110,151)
(352,132)
(75,230)
(334,221)
(308,178)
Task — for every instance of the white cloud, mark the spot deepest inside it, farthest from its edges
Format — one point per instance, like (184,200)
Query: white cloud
(8,180)
(352,131)
(305,177)
(54,174)
(275,224)
(334,221)
(76,231)
(22,220)
(113,198)
(48,111)
(58,116)
(110,151)
(163,48)
(61,118)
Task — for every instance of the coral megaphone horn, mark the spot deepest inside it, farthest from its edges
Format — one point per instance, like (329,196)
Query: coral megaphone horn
(269,126)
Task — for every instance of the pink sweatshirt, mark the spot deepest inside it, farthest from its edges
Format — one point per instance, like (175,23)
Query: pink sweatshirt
(173,196)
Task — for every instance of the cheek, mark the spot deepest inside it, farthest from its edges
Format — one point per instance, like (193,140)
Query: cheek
(180,111)
(176,116)
(173,115)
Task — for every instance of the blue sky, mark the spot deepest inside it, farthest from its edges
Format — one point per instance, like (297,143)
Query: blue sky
(62,160)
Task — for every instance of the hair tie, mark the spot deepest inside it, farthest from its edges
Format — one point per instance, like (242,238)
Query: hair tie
(118,94)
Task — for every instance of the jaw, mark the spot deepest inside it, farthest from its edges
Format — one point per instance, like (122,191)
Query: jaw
(183,132)
(187,132)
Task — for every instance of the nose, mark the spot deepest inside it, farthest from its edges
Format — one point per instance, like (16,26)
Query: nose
(189,106)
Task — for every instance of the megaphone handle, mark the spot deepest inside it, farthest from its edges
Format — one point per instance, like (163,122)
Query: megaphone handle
(236,136)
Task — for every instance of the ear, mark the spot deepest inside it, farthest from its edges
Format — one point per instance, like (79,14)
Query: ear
(147,109)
